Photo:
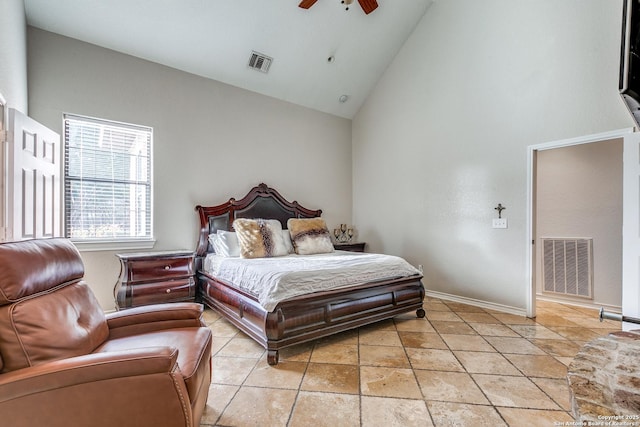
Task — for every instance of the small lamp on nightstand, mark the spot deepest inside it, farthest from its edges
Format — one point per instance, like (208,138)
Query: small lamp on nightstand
(343,234)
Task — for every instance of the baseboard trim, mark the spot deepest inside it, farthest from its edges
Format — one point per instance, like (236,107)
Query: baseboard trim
(478,303)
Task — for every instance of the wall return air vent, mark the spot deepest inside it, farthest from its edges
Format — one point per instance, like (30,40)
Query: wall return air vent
(568,266)
(260,62)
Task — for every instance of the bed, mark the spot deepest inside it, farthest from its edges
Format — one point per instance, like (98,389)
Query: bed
(298,318)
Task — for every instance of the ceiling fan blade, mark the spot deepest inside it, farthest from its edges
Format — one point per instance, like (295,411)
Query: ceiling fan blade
(306,4)
(368,5)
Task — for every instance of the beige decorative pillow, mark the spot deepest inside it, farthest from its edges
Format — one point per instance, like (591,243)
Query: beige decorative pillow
(310,236)
(259,238)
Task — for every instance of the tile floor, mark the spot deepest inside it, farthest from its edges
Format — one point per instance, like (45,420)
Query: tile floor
(460,366)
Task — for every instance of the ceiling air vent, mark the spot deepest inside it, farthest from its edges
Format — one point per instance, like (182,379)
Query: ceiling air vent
(259,61)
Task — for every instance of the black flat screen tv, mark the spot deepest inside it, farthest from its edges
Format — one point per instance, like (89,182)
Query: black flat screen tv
(630,57)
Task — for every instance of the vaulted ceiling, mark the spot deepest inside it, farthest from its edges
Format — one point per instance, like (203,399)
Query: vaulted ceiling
(319,54)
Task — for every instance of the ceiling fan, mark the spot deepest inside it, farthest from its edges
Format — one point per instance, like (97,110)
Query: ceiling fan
(368,6)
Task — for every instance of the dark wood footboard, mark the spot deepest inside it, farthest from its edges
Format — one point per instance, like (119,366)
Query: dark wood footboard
(309,317)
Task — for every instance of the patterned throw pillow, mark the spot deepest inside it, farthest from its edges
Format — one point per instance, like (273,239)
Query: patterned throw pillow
(310,236)
(259,238)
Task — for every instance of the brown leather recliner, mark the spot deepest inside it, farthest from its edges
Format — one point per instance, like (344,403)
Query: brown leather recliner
(63,362)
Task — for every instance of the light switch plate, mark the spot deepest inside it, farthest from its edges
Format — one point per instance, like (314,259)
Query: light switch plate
(499,222)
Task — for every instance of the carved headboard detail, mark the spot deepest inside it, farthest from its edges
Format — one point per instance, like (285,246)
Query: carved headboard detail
(262,201)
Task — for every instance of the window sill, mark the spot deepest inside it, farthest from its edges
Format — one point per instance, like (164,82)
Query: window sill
(113,245)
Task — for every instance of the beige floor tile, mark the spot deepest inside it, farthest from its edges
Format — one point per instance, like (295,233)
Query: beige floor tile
(483,317)
(513,319)
(382,325)
(325,409)
(549,320)
(513,345)
(464,308)
(538,366)
(594,322)
(377,355)
(444,327)
(284,375)
(219,397)
(486,329)
(231,370)
(536,331)
(467,342)
(331,378)
(249,407)
(390,412)
(455,376)
(335,353)
(410,315)
(414,325)
(449,387)
(433,359)
(518,392)
(435,305)
(389,382)
(447,316)
(296,353)
(575,333)
(382,337)
(209,316)
(557,389)
(486,363)
(448,414)
(563,348)
(422,340)
(345,338)
(222,328)
(242,347)
(534,417)
(218,343)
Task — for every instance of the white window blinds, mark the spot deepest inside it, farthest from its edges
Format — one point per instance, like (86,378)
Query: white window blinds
(107,169)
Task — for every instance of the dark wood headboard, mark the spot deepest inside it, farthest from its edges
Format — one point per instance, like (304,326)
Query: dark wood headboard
(261,202)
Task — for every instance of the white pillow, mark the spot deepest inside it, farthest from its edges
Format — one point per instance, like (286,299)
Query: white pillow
(286,236)
(225,243)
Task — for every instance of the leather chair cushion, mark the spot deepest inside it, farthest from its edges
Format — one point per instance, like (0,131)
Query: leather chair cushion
(54,325)
(193,345)
(33,266)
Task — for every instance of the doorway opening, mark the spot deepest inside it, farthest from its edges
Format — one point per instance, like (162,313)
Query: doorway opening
(575,221)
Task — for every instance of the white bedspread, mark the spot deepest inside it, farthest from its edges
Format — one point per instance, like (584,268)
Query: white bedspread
(275,279)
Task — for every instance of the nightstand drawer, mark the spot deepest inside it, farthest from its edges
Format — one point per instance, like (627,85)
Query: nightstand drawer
(166,291)
(155,277)
(151,269)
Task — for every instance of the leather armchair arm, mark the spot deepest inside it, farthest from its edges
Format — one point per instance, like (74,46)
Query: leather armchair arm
(139,320)
(87,368)
(126,388)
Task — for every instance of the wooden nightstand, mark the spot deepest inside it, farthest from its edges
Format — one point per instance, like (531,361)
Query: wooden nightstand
(352,247)
(155,277)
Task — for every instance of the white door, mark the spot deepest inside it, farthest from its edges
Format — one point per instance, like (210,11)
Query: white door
(33,179)
(3,140)
(631,230)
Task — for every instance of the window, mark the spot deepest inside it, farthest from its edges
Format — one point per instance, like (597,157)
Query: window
(107,181)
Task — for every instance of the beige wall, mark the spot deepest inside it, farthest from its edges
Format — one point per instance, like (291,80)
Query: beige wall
(211,141)
(579,194)
(443,138)
(13,54)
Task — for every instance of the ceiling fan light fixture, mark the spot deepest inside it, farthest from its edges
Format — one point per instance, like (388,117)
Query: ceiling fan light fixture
(347,3)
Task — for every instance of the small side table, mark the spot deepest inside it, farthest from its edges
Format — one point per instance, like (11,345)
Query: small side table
(155,277)
(352,247)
